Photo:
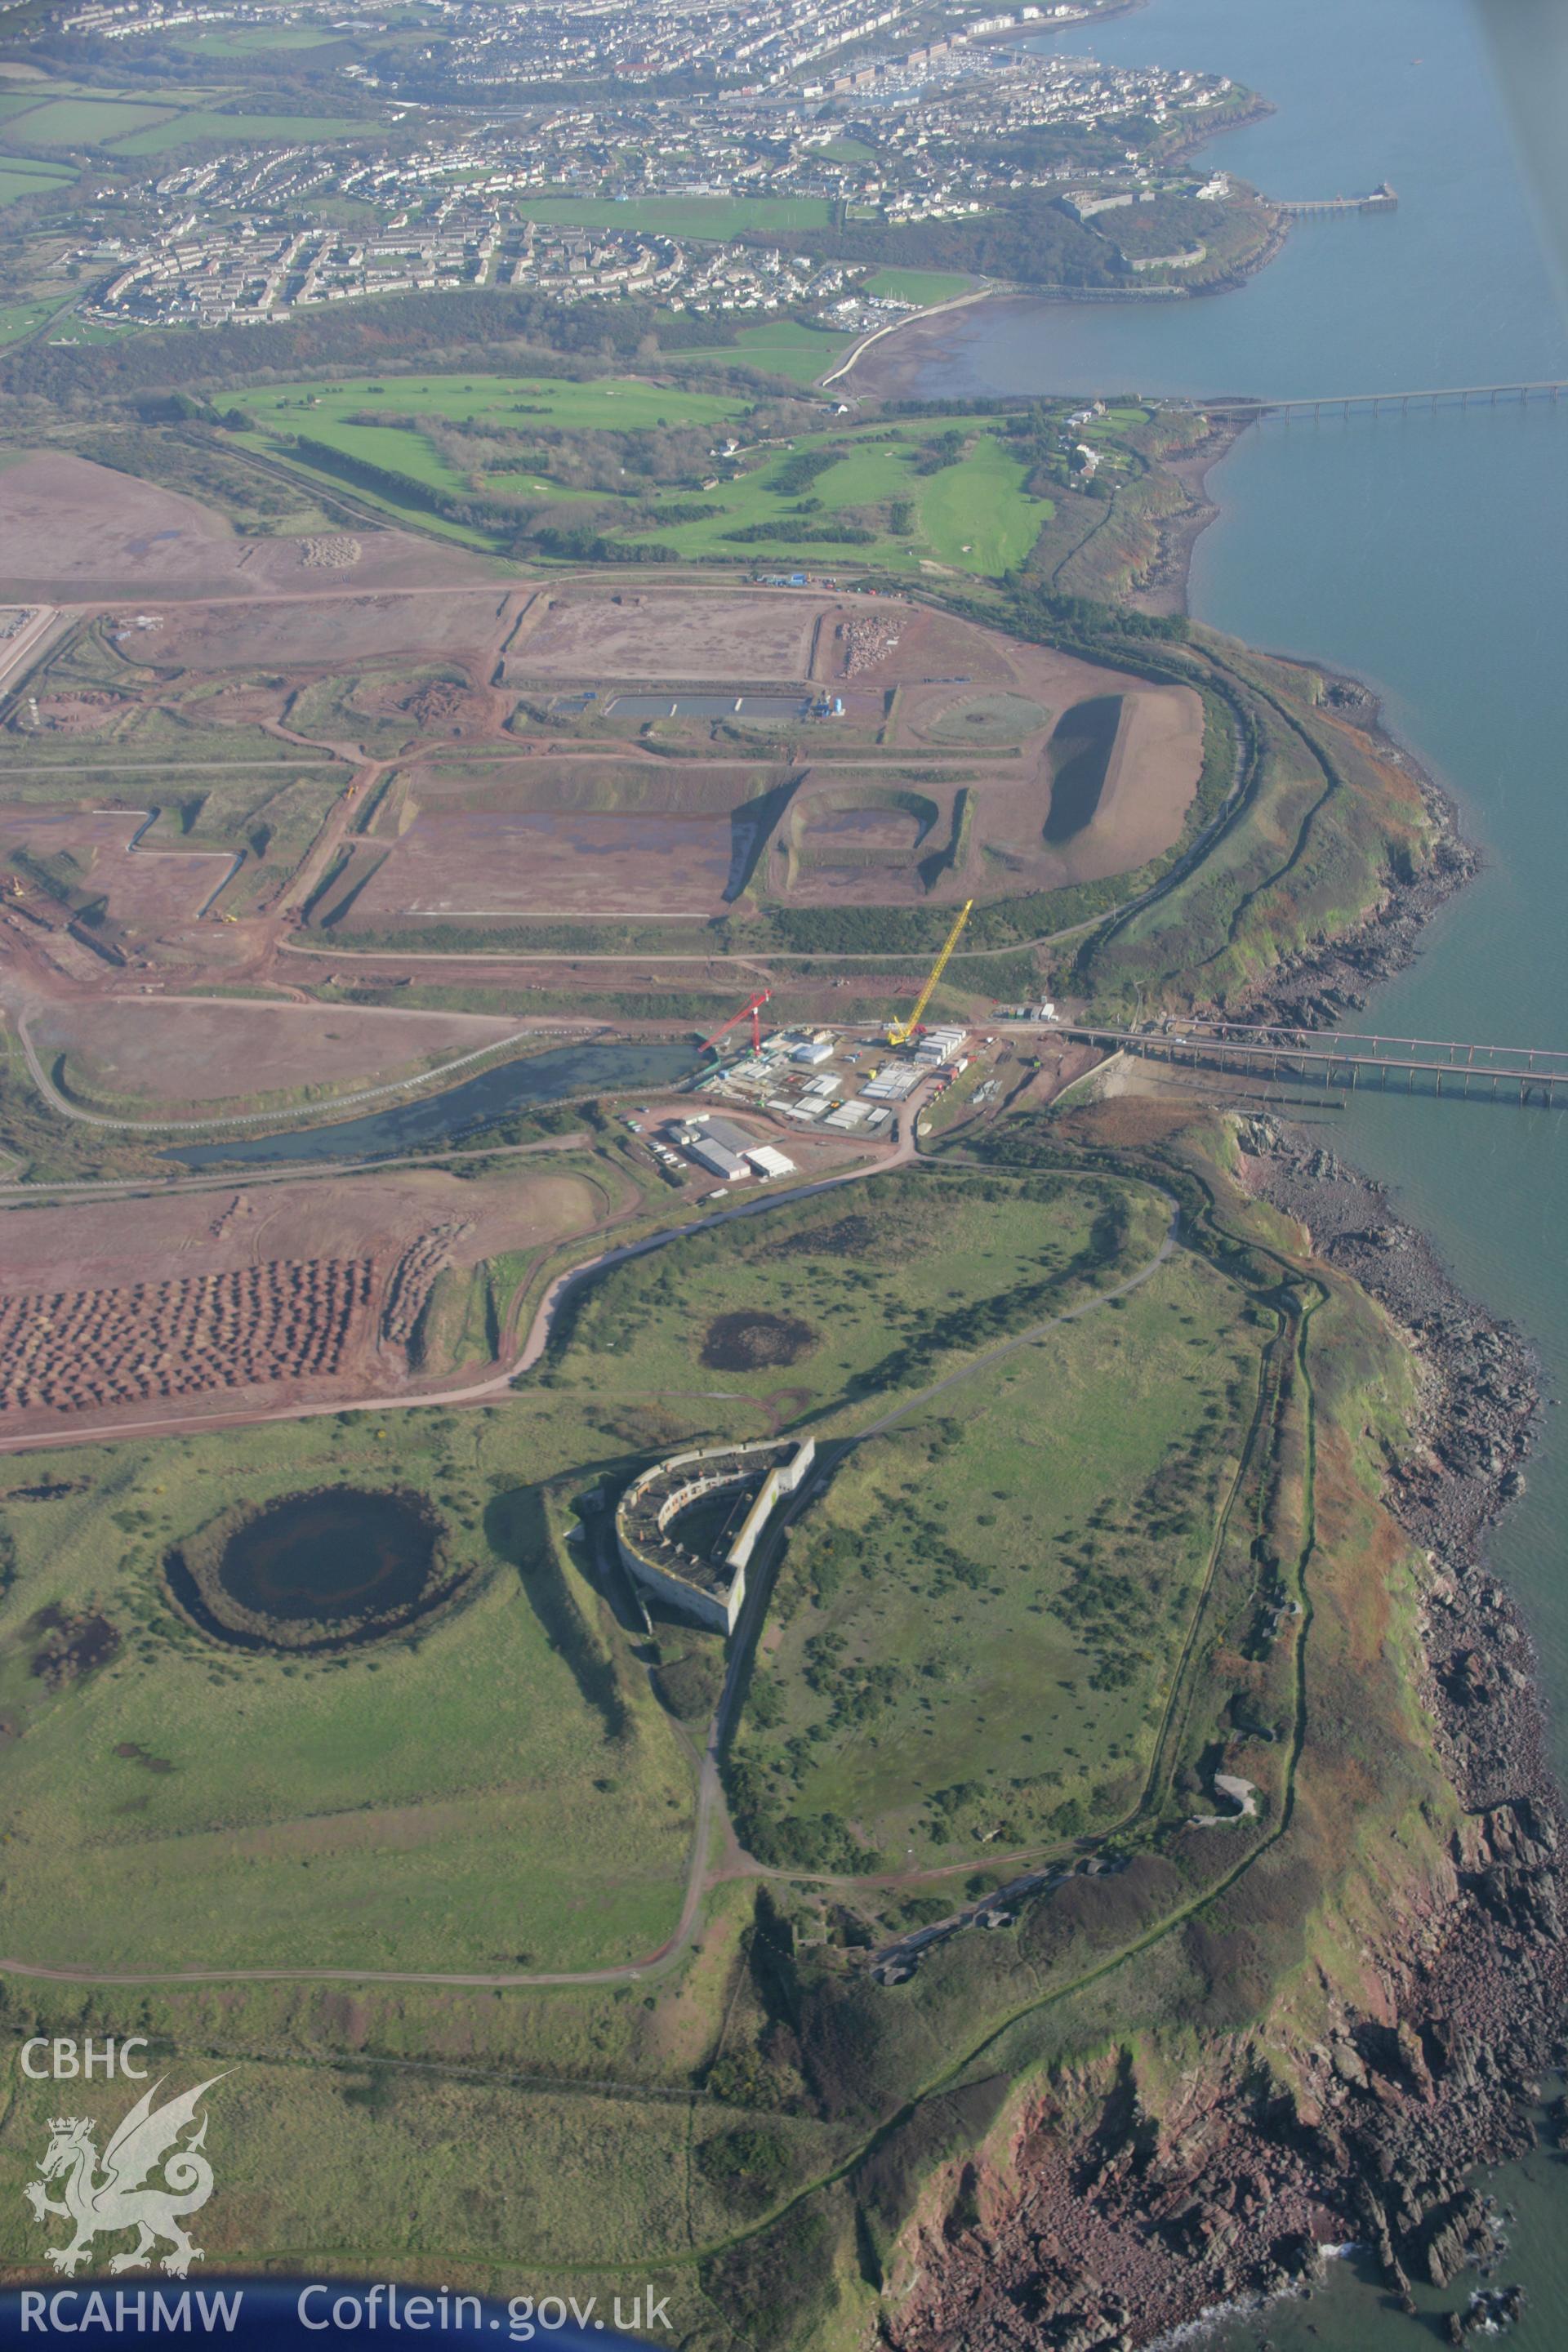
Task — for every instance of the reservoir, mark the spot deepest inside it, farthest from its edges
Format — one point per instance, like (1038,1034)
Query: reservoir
(1428,555)
(425,1122)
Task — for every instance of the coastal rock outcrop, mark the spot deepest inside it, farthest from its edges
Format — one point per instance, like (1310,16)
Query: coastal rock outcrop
(1109,2226)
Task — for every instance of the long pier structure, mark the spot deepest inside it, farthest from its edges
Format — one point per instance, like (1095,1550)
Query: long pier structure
(1439,1066)
(1382,199)
(1461,396)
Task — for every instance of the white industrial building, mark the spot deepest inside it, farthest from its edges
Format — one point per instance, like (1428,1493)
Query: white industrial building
(718,1159)
(768,1160)
(727,1151)
(939,1046)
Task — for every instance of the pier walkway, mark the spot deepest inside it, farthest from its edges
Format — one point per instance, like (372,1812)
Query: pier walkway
(1460,396)
(1382,199)
(1441,1065)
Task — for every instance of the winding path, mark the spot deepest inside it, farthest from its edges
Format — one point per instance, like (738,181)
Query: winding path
(272,1118)
(709,1807)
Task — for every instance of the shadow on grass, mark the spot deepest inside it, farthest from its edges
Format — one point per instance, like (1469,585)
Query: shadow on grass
(516,1529)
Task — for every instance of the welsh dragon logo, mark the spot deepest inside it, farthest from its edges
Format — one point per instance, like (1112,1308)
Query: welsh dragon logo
(104,2196)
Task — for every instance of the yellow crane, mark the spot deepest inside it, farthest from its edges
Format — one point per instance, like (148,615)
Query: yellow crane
(900,1032)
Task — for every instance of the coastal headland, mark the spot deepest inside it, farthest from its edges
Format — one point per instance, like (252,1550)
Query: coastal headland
(1115,1857)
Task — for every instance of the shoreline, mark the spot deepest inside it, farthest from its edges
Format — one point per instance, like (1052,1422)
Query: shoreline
(889,388)
(1437,2070)
(1317,987)
(1128,2230)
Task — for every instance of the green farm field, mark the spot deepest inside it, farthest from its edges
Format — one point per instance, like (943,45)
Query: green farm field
(83,122)
(238,130)
(623,403)
(255,41)
(500,1783)
(134,126)
(970,514)
(977,1629)
(879,1290)
(22,176)
(926,287)
(780,347)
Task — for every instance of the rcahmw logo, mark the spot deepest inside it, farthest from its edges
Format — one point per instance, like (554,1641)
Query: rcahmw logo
(102,2196)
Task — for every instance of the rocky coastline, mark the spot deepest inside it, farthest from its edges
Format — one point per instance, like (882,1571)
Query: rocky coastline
(1317,987)
(1116,2227)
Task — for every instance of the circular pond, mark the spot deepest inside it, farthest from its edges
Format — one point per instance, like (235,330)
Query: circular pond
(313,1571)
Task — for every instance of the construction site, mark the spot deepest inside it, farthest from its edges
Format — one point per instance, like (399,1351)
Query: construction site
(271,823)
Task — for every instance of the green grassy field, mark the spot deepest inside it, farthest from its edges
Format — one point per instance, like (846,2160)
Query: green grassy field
(781,347)
(977,515)
(884,1323)
(925,286)
(21,176)
(314,478)
(254,40)
(19,319)
(383,445)
(133,126)
(240,131)
(621,403)
(1027,1532)
(979,1625)
(498,1783)
(974,515)
(84,121)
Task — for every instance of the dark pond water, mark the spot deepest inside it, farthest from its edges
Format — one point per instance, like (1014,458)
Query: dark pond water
(330,1555)
(402,1126)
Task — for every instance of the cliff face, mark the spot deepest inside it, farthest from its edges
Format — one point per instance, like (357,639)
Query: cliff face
(1183,2169)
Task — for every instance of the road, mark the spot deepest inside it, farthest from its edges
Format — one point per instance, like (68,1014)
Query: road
(17,653)
(314,1113)
(496,1383)
(709,1808)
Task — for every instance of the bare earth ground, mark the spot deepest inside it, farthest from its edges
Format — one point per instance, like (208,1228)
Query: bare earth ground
(1150,780)
(663,634)
(543,864)
(217,1048)
(106,1313)
(145,887)
(68,527)
(582,833)
(330,628)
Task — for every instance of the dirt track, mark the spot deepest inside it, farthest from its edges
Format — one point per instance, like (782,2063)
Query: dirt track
(709,1806)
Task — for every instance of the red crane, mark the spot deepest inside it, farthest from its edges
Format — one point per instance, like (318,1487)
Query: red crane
(710,1044)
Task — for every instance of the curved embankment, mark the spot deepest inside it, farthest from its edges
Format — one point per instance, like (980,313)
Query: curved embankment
(710,1798)
(312,1112)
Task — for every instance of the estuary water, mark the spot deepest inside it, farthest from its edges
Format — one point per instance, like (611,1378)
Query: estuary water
(425,1121)
(1430,554)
